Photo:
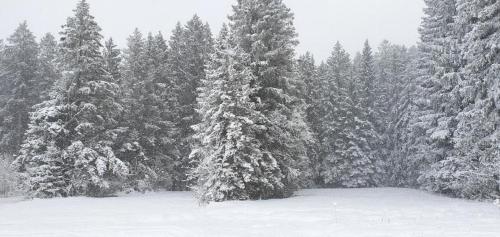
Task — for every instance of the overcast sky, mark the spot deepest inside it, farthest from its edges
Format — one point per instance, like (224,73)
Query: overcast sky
(320,23)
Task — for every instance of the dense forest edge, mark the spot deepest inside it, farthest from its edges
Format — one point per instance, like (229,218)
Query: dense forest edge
(241,116)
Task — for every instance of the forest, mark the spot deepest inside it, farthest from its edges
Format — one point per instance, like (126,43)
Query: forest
(241,116)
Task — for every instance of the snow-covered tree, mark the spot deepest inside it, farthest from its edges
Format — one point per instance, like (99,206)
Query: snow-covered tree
(307,89)
(347,159)
(264,30)
(151,112)
(8,177)
(413,117)
(20,87)
(134,73)
(426,114)
(69,145)
(112,60)
(189,49)
(390,62)
(440,44)
(48,71)
(231,165)
(366,113)
(475,162)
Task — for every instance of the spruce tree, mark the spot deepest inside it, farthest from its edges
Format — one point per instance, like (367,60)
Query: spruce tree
(366,115)
(48,71)
(189,49)
(69,146)
(141,176)
(413,118)
(347,159)
(307,89)
(19,88)
(264,30)
(440,43)
(112,60)
(151,116)
(230,163)
(390,62)
(476,161)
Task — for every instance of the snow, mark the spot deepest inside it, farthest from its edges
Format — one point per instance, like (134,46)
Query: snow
(339,213)
(440,135)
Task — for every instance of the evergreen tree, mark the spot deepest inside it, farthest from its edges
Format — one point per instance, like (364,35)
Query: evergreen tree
(151,112)
(189,51)
(391,62)
(440,42)
(69,146)
(135,72)
(112,60)
(366,79)
(264,30)
(476,160)
(366,113)
(308,88)
(3,77)
(231,165)
(413,118)
(411,155)
(48,72)
(19,88)
(347,159)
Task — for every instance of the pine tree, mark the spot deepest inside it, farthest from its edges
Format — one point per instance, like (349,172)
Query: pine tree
(69,146)
(20,87)
(264,30)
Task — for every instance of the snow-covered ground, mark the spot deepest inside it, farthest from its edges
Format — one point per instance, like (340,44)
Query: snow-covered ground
(337,213)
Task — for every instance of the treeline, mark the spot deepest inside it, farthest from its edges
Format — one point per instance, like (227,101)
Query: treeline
(240,116)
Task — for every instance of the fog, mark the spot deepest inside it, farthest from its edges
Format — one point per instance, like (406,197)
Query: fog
(320,23)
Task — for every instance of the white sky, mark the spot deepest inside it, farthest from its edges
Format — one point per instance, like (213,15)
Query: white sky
(320,23)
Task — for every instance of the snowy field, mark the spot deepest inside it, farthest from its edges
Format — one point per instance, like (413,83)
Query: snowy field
(337,213)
